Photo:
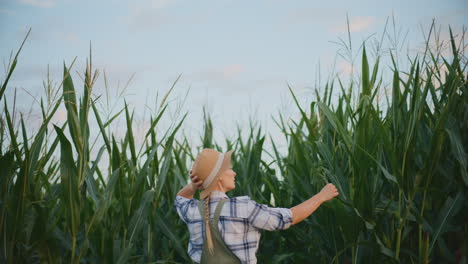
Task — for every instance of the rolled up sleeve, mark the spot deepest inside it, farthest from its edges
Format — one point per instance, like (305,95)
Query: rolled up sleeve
(182,205)
(268,218)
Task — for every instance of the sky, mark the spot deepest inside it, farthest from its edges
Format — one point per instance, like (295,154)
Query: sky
(236,58)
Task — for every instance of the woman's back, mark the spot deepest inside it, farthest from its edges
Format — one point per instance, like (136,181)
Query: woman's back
(240,223)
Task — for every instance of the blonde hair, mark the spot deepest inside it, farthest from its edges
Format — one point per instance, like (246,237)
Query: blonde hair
(207,225)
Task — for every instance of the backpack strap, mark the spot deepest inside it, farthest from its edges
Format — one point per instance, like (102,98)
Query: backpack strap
(219,206)
(201,207)
(218,212)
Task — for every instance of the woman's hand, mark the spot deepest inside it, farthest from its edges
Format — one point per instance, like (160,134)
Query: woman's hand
(196,183)
(303,210)
(328,192)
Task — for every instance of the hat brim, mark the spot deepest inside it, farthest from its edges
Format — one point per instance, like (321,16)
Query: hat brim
(224,166)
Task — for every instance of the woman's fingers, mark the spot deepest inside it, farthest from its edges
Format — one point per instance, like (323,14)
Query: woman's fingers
(199,184)
(329,191)
(196,181)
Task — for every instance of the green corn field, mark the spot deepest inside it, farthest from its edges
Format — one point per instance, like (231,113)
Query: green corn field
(400,166)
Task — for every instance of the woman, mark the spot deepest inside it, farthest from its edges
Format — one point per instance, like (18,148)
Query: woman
(233,235)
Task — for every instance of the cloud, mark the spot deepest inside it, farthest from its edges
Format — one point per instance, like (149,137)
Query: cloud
(36,72)
(43,30)
(446,17)
(225,73)
(224,81)
(160,3)
(60,116)
(148,14)
(356,24)
(318,16)
(321,14)
(22,31)
(439,41)
(345,68)
(327,17)
(232,70)
(39,3)
(147,19)
(152,14)
(73,39)
(7,11)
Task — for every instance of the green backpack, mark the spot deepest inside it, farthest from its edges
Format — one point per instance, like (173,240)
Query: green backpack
(222,253)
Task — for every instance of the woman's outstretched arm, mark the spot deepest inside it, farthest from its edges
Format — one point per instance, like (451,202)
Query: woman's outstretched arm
(189,190)
(303,210)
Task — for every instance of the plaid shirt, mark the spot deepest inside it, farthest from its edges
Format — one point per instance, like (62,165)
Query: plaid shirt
(240,223)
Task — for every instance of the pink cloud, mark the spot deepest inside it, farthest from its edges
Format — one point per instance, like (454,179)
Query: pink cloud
(232,70)
(345,68)
(356,24)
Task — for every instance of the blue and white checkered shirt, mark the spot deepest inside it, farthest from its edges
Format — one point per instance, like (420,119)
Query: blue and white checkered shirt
(240,223)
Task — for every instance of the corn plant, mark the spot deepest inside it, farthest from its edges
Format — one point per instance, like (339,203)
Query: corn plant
(400,167)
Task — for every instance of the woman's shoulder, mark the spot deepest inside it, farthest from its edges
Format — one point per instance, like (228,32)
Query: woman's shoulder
(237,206)
(240,198)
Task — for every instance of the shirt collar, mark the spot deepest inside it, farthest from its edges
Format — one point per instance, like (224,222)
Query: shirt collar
(218,194)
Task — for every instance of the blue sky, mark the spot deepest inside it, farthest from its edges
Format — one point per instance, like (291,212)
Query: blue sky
(236,57)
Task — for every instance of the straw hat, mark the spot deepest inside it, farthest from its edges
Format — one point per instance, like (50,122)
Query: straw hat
(209,166)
